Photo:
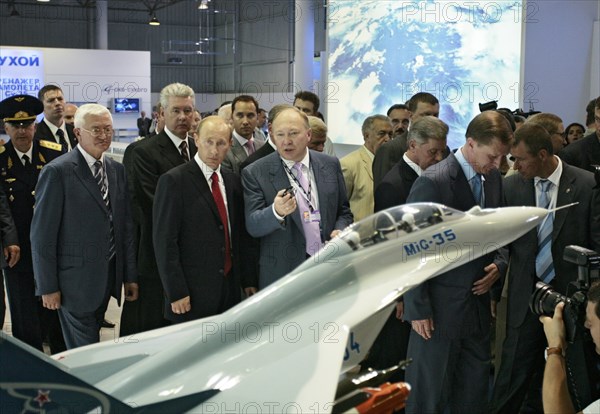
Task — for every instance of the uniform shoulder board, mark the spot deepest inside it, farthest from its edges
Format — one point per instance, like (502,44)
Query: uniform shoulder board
(51,145)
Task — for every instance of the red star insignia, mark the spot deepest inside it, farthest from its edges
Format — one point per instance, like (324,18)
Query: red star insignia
(42,398)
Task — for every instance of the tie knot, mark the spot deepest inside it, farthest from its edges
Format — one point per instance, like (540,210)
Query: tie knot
(60,133)
(298,167)
(214,177)
(545,185)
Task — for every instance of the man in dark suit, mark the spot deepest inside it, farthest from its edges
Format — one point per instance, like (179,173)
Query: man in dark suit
(420,104)
(523,348)
(585,153)
(81,234)
(53,127)
(20,166)
(451,314)
(292,227)
(143,124)
(244,113)
(152,158)
(203,284)
(426,146)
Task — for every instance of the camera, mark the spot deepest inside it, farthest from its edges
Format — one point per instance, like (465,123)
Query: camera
(583,376)
(545,298)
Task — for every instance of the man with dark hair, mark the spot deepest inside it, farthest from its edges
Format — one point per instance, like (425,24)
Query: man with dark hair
(451,314)
(419,105)
(555,394)
(585,152)
(143,124)
(357,166)
(53,127)
(400,117)
(244,120)
(554,125)
(544,181)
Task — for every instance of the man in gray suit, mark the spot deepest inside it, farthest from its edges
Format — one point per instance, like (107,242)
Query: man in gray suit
(82,234)
(523,347)
(451,314)
(244,113)
(293,224)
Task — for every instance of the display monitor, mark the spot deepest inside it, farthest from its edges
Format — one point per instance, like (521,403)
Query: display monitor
(126,105)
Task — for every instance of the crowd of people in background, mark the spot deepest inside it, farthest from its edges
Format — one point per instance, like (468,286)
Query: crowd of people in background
(208,209)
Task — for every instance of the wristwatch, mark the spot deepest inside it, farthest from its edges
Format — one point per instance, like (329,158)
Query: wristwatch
(555,350)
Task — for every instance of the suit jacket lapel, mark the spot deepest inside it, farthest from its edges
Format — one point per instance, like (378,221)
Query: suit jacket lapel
(201,185)
(366,162)
(320,170)
(83,172)
(238,152)
(565,196)
(459,186)
(168,149)
(113,184)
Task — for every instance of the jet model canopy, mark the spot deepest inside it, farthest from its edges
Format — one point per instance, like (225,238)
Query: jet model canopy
(397,222)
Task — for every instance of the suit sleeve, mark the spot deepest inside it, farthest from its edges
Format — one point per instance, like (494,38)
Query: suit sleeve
(417,302)
(385,196)
(130,245)
(344,216)
(595,220)
(260,219)
(45,228)
(167,212)
(349,177)
(146,176)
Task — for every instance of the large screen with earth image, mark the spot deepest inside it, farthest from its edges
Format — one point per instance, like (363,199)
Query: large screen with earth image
(382,52)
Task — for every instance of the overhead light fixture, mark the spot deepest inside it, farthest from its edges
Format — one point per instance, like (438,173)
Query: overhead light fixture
(203,5)
(43,1)
(154,21)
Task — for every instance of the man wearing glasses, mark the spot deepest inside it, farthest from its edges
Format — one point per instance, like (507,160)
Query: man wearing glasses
(81,234)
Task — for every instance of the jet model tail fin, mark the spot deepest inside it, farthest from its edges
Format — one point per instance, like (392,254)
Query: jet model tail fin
(32,382)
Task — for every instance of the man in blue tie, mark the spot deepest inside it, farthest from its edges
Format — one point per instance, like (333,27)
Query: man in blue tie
(451,314)
(544,181)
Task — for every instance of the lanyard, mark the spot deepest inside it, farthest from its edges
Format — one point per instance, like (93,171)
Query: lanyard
(303,193)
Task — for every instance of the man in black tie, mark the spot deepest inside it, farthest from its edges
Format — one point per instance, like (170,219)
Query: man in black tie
(82,232)
(213,238)
(53,127)
(20,166)
(150,159)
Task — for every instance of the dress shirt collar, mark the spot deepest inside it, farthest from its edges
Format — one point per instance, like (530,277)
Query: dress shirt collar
(368,151)
(89,159)
(29,154)
(465,165)
(305,161)
(554,178)
(176,140)
(412,165)
(206,170)
(240,138)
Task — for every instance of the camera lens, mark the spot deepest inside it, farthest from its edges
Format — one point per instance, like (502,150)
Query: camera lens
(544,299)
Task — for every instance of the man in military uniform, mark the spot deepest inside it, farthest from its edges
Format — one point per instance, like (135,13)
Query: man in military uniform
(20,166)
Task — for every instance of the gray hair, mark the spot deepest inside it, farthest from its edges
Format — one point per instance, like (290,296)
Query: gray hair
(317,126)
(176,90)
(89,110)
(368,123)
(426,128)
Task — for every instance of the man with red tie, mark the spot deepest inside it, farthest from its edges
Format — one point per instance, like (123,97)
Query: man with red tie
(203,252)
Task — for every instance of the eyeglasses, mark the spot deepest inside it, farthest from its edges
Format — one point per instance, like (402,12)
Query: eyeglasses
(98,132)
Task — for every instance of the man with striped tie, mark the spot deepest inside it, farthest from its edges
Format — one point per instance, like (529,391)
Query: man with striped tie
(82,232)
(544,181)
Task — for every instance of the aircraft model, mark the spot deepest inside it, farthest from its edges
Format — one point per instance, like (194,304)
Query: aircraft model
(285,348)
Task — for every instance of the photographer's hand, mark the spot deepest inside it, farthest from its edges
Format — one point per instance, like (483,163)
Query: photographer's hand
(554,328)
(555,394)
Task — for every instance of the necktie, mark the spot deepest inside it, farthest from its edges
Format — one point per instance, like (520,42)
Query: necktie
(312,231)
(250,146)
(216,192)
(184,151)
(99,175)
(544,267)
(26,161)
(477,188)
(61,139)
